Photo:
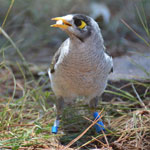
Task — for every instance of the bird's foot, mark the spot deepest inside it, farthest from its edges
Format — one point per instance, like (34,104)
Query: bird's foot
(55,126)
(99,125)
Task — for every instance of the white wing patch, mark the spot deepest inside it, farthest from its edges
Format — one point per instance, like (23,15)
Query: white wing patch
(49,73)
(110,61)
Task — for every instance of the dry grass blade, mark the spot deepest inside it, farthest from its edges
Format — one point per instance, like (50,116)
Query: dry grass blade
(143,20)
(100,142)
(103,134)
(137,95)
(13,44)
(9,9)
(135,32)
(105,138)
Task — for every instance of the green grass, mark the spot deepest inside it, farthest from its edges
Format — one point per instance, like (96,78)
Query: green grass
(27,113)
(23,110)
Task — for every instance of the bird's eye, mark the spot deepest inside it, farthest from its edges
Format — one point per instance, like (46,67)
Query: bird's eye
(80,23)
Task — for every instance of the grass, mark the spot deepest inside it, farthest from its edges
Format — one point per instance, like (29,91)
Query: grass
(27,115)
(27,112)
(20,100)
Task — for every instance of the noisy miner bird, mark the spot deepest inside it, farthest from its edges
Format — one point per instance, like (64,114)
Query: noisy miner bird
(80,67)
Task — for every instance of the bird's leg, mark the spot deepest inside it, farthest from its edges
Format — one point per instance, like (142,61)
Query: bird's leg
(59,107)
(93,104)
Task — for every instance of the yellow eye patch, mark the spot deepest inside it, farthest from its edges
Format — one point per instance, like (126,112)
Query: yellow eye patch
(79,23)
(83,24)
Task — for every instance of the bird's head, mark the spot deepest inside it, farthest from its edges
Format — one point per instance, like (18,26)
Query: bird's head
(77,25)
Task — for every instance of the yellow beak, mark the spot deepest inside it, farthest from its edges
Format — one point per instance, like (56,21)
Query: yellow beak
(61,23)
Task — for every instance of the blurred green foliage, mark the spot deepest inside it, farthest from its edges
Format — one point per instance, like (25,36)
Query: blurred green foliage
(29,20)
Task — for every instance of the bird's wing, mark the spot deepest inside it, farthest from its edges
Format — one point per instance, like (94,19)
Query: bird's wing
(112,67)
(56,56)
(110,62)
(54,60)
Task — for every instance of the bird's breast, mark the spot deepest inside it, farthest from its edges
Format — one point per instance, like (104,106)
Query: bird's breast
(82,63)
(84,69)
(82,74)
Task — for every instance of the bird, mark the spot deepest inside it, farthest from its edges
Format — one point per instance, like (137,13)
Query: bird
(81,66)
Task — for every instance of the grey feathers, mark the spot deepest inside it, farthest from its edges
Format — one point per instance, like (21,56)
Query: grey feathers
(80,68)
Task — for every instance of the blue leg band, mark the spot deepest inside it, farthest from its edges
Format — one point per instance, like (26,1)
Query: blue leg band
(55,127)
(99,125)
